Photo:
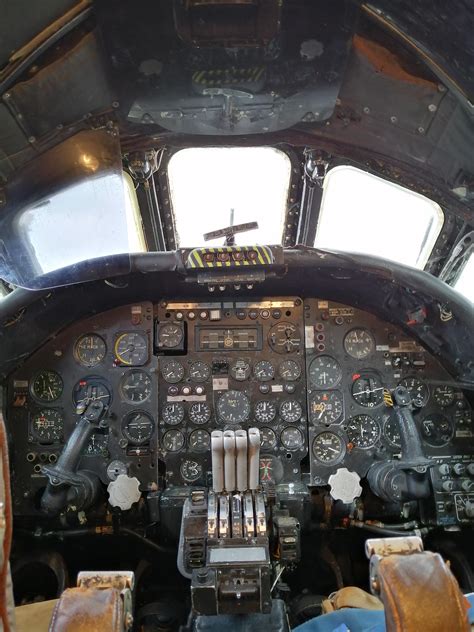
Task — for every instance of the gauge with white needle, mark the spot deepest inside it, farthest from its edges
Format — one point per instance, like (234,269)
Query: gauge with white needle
(367,390)
(325,407)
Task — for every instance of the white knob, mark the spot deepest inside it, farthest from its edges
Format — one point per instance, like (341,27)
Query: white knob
(124,491)
(345,485)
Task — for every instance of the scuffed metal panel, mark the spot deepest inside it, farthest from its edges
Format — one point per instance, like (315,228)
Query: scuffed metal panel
(14,147)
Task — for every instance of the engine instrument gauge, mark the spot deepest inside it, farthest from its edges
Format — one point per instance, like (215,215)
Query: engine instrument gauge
(173,441)
(131,348)
(359,343)
(233,407)
(199,440)
(90,389)
(172,371)
(328,448)
(264,371)
(284,337)
(135,386)
(138,427)
(325,372)
(47,386)
(391,431)
(90,350)
(268,439)
(173,414)
(199,371)
(240,370)
(170,336)
(190,470)
(363,431)
(418,390)
(199,413)
(437,430)
(265,411)
(271,469)
(292,438)
(289,370)
(444,395)
(367,390)
(47,425)
(291,411)
(325,407)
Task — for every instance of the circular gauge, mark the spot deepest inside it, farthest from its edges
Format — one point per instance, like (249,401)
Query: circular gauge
(367,391)
(363,431)
(135,386)
(391,431)
(199,440)
(169,336)
(131,349)
(324,372)
(359,343)
(199,413)
(98,445)
(138,427)
(240,370)
(90,389)
(172,372)
(325,407)
(271,469)
(233,407)
(268,439)
(291,411)
(291,438)
(437,430)
(190,470)
(289,370)
(90,350)
(418,391)
(444,395)
(265,411)
(328,448)
(115,469)
(284,337)
(199,371)
(173,441)
(264,371)
(173,414)
(47,425)
(47,386)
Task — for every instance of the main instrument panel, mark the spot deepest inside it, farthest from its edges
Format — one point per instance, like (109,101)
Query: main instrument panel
(313,375)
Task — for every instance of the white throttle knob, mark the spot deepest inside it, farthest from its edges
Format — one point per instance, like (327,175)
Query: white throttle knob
(124,491)
(345,485)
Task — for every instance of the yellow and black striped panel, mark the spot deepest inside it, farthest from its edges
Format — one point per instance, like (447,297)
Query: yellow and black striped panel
(228,77)
(387,398)
(230,257)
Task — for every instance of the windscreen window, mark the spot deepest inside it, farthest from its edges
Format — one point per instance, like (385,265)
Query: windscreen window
(363,213)
(216,187)
(465,281)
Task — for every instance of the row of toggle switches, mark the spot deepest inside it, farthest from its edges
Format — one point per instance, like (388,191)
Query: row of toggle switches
(235,460)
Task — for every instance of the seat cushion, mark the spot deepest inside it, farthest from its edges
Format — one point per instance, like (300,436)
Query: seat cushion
(35,616)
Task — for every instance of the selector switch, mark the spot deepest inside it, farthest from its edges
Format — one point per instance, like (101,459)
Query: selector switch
(459,469)
(470,469)
(444,469)
(448,486)
(467,485)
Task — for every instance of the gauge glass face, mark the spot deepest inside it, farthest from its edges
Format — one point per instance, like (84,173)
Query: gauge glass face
(264,371)
(324,372)
(291,411)
(173,414)
(328,448)
(199,413)
(199,440)
(268,439)
(292,438)
(90,389)
(240,370)
(271,469)
(325,407)
(444,395)
(265,411)
(233,407)
(135,386)
(173,441)
(418,391)
(359,343)
(284,337)
(289,370)
(199,371)
(172,372)
(47,386)
(98,445)
(367,390)
(190,470)
(47,425)
(90,350)
(170,336)
(131,349)
(138,427)
(437,430)
(363,431)
(391,431)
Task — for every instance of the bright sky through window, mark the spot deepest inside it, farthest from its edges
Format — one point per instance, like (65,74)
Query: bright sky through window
(207,183)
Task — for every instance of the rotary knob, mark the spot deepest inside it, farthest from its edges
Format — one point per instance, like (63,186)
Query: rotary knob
(124,491)
(345,485)
(469,509)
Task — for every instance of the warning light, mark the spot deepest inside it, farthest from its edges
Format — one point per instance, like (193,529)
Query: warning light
(356,376)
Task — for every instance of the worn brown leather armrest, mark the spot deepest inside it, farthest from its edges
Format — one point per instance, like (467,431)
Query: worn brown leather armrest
(88,610)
